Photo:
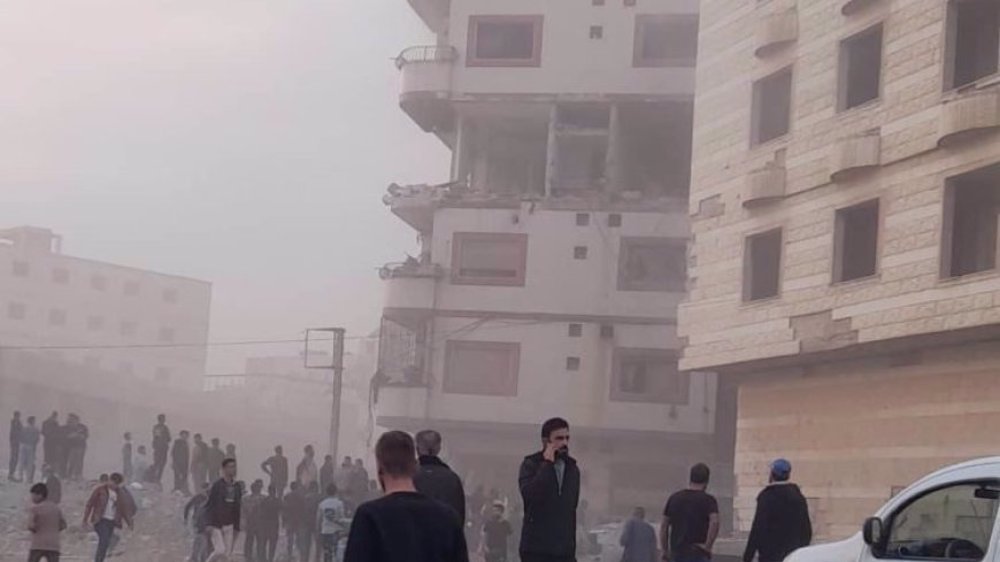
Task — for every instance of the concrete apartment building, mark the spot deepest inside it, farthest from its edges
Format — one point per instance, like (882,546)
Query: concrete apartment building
(552,263)
(844,205)
(95,311)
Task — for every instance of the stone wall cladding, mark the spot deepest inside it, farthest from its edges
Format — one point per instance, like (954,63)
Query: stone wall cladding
(907,296)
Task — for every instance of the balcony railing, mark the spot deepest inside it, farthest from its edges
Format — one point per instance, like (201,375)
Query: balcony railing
(426,54)
(410,269)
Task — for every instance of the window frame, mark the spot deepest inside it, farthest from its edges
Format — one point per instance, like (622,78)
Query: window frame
(20,269)
(948,222)
(460,238)
(639,37)
(950,54)
(628,242)
(879,550)
(622,354)
(844,67)
(61,276)
(514,363)
(472,59)
(17,310)
(755,106)
(96,323)
(839,237)
(58,317)
(166,334)
(747,288)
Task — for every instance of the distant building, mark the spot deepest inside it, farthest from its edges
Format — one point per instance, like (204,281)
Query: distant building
(553,262)
(845,268)
(103,316)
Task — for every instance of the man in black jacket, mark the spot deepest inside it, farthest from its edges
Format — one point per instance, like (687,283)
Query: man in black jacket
(180,462)
(434,478)
(223,510)
(550,487)
(781,523)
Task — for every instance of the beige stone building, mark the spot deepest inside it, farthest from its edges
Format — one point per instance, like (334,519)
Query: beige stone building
(844,203)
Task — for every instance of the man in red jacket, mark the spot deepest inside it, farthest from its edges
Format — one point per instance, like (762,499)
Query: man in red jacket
(107,509)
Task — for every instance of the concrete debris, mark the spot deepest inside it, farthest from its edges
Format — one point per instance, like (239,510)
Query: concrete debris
(159,534)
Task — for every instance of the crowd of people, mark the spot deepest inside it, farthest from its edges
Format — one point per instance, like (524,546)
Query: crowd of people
(421,512)
(64,447)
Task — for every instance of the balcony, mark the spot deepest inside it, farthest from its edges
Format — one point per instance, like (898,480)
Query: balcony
(856,154)
(969,114)
(398,405)
(764,185)
(409,286)
(851,7)
(426,85)
(775,31)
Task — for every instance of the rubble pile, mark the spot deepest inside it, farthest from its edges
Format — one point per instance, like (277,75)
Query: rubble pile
(159,534)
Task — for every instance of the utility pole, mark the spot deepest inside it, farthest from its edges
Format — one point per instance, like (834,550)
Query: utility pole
(336,366)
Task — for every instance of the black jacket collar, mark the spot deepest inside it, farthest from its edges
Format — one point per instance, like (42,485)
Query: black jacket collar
(430,460)
(539,457)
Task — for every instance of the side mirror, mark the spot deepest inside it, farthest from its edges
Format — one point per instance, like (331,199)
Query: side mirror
(873,531)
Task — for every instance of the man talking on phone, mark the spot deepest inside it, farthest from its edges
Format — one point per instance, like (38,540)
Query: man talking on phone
(550,487)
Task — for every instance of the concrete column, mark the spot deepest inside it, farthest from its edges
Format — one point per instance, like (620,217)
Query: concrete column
(551,162)
(460,156)
(612,164)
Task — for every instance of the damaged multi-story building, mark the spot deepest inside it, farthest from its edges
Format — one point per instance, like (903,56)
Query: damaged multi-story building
(844,203)
(553,261)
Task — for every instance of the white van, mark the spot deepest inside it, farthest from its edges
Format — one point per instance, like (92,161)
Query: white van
(949,515)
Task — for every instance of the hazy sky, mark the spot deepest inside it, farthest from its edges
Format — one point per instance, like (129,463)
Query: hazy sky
(245,142)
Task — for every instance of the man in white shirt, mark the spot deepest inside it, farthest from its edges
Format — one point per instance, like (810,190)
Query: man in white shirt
(330,522)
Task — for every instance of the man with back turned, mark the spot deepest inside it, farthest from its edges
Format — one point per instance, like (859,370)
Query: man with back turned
(404,525)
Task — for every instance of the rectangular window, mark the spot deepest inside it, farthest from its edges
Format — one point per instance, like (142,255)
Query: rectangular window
(652,264)
(16,311)
(20,269)
(166,334)
(163,374)
(98,282)
(489,259)
(648,375)
(60,275)
(762,265)
(482,368)
(57,317)
(772,107)
(572,363)
(856,242)
(575,330)
(972,208)
(973,42)
(860,68)
(580,253)
(131,288)
(95,323)
(503,40)
(665,40)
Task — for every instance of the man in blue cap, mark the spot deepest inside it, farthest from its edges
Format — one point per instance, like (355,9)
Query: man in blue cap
(781,523)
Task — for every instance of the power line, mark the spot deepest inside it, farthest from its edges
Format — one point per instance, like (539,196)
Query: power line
(171,345)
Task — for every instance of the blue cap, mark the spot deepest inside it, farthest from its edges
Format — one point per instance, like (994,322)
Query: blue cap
(781,469)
